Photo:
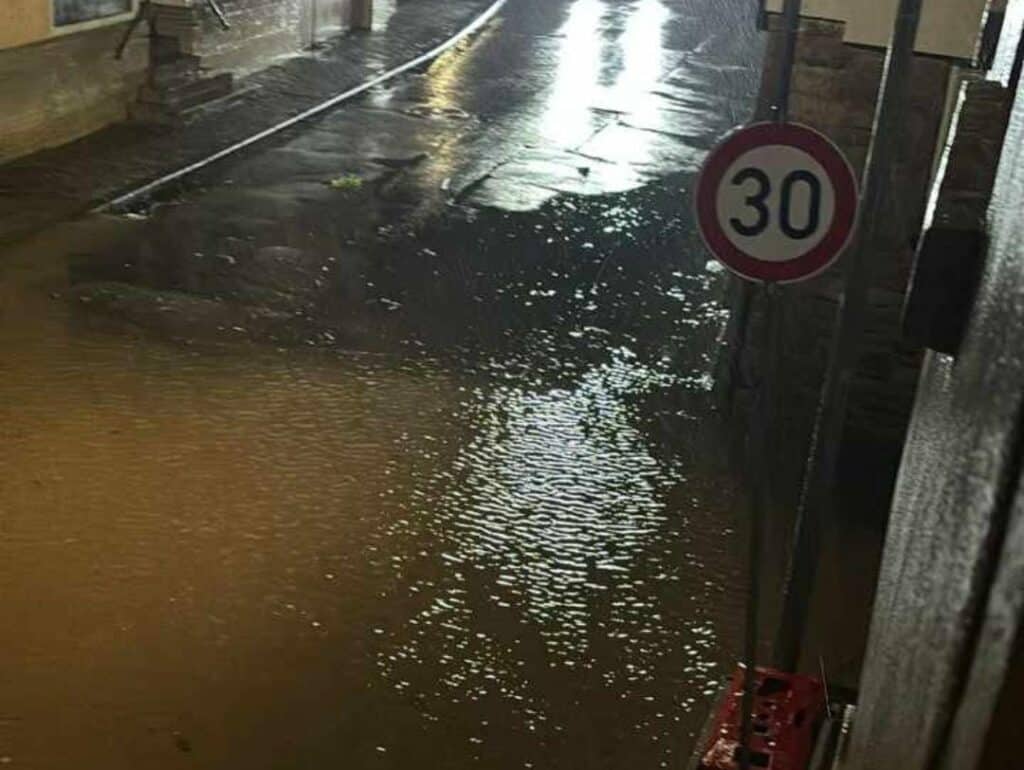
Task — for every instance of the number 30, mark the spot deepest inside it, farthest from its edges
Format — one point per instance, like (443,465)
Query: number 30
(759,203)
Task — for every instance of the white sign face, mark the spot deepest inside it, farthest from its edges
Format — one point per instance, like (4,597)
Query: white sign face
(776,203)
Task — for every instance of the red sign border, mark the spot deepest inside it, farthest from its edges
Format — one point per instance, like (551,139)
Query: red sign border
(823,150)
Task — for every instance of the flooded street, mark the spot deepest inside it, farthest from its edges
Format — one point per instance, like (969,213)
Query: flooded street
(476,516)
(338,556)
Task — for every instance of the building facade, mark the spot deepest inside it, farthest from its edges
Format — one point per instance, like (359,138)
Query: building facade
(943,681)
(58,73)
(839,64)
(951,122)
(71,67)
(948,27)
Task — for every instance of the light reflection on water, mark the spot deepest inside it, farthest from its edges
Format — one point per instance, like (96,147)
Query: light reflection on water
(575,578)
(291,560)
(556,480)
(363,555)
(548,517)
(644,57)
(568,120)
(383,10)
(644,65)
(636,61)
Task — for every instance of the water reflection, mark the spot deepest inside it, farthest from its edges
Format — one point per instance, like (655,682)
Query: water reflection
(555,482)
(645,62)
(568,120)
(383,10)
(592,53)
(285,559)
(555,527)
(604,105)
(643,53)
(376,557)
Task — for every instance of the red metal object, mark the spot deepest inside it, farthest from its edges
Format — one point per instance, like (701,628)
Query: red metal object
(788,710)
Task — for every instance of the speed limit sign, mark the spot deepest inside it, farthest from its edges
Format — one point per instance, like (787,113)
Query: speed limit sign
(777,202)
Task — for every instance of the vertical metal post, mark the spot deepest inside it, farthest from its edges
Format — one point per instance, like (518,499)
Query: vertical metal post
(762,432)
(790,31)
(887,140)
(314,23)
(764,418)
(361,14)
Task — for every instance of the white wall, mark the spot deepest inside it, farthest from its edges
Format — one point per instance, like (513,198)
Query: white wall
(948,27)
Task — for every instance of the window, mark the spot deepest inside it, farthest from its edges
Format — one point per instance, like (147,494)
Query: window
(67,12)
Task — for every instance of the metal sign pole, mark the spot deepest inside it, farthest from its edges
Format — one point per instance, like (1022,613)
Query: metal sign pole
(887,140)
(763,427)
(791,30)
(314,24)
(760,446)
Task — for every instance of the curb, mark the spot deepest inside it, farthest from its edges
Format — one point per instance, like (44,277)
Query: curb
(117,204)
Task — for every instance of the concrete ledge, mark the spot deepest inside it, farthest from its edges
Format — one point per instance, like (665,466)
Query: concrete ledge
(65,88)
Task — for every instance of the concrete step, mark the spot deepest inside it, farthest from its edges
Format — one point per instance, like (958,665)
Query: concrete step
(154,114)
(171,106)
(183,95)
(183,68)
(164,49)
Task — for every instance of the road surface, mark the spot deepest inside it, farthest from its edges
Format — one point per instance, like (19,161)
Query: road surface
(390,444)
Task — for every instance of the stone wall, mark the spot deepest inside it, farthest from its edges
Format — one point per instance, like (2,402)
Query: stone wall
(64,88)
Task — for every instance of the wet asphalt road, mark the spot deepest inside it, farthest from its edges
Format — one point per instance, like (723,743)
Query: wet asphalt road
(462,505)
(555,97)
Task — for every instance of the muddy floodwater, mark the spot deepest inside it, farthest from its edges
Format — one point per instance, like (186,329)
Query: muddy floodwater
(250,557)
(465,505)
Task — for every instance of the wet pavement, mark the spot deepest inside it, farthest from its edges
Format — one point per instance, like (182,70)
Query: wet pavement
(51,185)
(390,444)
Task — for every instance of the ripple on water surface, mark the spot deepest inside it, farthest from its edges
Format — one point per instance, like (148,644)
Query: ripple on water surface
(354,559)
(566,578)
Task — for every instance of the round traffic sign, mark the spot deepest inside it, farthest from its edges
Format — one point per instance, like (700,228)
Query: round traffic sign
(777,202)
